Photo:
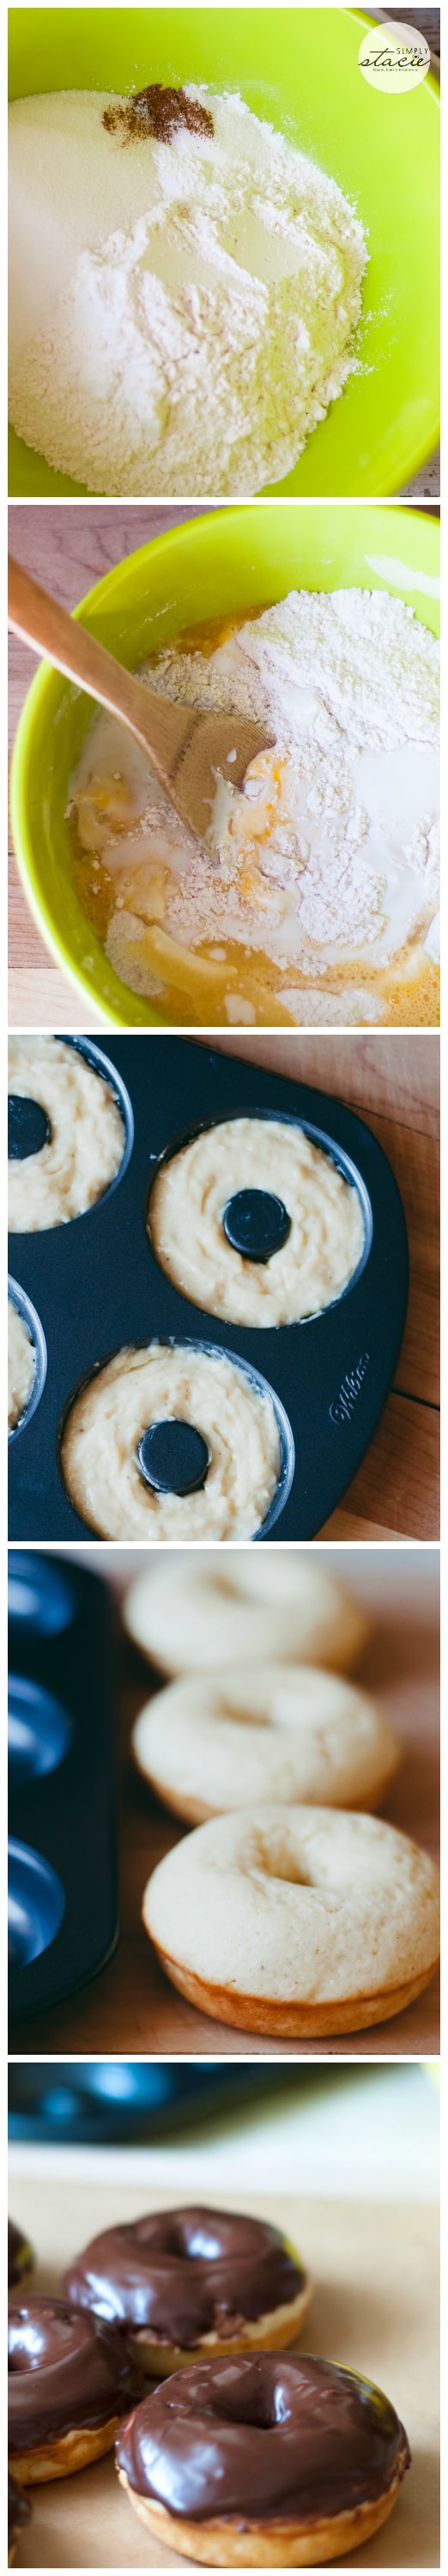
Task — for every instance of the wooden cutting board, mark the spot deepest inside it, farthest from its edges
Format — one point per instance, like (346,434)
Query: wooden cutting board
(375,2308)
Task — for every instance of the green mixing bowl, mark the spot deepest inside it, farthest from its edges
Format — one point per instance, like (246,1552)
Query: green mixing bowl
(231,561)
(299,69)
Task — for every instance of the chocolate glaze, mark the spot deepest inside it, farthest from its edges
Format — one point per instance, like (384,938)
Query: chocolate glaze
(185,2273)
(64,2370)
(20,2254)
(19,2509)
(270,2438)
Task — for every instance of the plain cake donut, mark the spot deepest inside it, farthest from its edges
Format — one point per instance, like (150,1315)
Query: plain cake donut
(325,1234)
(70,2381)
(264,2463)
(296,1922)
(84,1148)
(196,1614)
(192,2282)
(207,1745)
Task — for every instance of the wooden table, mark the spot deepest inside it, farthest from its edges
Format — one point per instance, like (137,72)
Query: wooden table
(131,2009)
(375,2269)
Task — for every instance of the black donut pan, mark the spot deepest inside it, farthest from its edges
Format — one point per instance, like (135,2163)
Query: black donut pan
(61,1783)
(96,1286)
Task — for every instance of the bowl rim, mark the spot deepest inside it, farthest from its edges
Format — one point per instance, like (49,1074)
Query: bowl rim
(84,980)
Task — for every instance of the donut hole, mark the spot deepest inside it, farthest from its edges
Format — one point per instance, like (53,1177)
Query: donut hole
(273,1855)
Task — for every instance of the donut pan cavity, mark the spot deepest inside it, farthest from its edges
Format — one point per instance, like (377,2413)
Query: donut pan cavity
(62,1877)
(97,1286)
(16,1297)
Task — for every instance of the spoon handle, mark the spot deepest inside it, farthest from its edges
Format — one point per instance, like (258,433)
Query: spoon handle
(162,728)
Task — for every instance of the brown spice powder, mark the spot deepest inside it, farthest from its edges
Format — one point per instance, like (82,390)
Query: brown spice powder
(156,111)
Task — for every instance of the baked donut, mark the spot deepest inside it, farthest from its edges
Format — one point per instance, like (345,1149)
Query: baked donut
(70,2380)
(196,1614)
(19,2510)
(20,2254)
(83,1134)
(156,1384)
(264,2463)
(190,2281)
(299,1922)
(207,1745)
(320,1224)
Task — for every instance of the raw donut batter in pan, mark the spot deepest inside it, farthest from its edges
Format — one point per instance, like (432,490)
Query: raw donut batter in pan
(185,1222)
(158,1383)
(21,1365)
(86,1142)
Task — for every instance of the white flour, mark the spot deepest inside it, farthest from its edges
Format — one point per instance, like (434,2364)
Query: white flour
(181,313)
(330,856)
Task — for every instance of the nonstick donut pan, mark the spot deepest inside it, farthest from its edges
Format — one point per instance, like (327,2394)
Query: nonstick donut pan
(62,1868)
(96,1286)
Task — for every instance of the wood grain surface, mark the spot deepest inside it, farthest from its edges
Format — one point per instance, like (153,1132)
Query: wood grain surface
(131,2008)
(375,2270)
(393,1081)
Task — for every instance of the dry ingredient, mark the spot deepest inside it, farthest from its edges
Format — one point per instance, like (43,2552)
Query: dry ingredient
(157,111)
(180,318)
(318,895)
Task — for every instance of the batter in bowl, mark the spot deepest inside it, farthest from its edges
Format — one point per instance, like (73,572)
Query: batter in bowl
(316,898)
(85,1143)
(21,1365)
(326,1227)
(158,1384)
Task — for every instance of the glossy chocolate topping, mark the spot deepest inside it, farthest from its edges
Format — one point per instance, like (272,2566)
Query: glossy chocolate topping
(20,2254)
(63,2370)
(19,2508)
(185,2273)
(272,2437)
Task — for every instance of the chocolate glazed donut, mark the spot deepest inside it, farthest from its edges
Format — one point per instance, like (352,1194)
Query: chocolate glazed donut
(70,2382)
(264,2463)
(18,2513)
(193,2280)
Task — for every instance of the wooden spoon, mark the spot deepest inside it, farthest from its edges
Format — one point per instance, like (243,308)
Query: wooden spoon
(184,747)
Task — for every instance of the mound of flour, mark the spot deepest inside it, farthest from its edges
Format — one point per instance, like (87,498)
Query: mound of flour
(330,856)
(182,312)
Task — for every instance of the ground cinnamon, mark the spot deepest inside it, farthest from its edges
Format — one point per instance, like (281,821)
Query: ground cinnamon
(156,111)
